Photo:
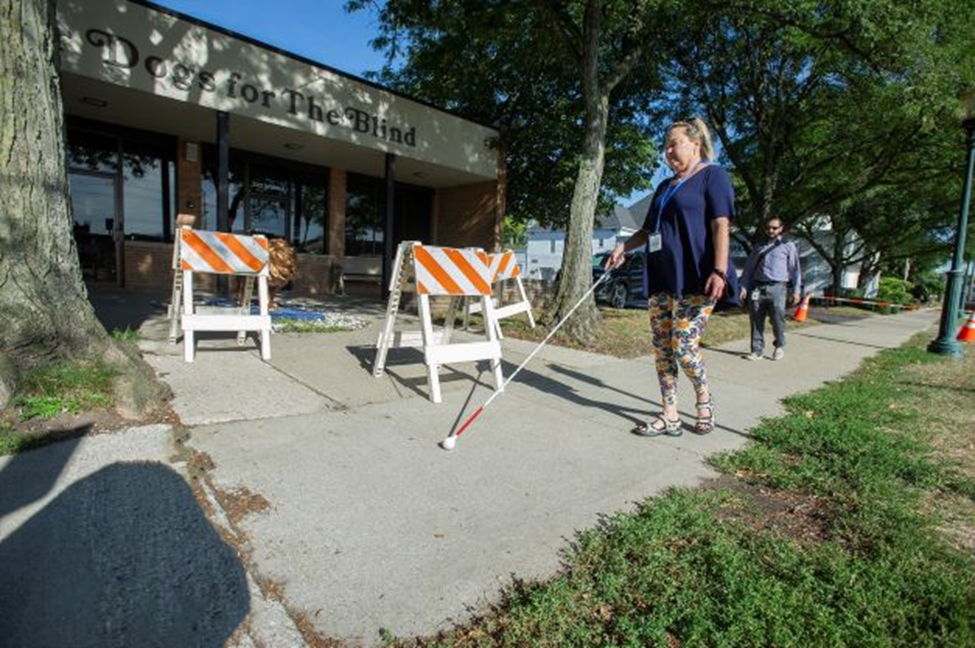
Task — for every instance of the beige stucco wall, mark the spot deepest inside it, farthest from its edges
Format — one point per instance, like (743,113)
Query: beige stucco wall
(132,46)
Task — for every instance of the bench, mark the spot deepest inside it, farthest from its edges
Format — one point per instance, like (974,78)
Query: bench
(360,268)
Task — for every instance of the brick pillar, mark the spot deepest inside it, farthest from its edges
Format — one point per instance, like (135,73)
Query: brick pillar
(189,190)
(336,212)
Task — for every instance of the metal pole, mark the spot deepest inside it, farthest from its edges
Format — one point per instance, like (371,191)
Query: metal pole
(223,187)
(388,243)
(945,343)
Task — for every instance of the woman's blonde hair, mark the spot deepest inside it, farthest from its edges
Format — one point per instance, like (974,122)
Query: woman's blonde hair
(696,131)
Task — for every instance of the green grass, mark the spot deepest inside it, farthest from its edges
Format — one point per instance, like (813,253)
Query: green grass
(125,335)
(68,387)
(716,566)
(626,332)
(14,442)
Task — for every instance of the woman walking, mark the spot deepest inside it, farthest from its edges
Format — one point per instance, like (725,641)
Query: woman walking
(687,270)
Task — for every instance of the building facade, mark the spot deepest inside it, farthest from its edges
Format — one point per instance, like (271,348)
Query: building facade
(169,115)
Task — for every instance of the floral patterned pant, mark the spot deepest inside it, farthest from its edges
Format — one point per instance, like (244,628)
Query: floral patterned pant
(677,325)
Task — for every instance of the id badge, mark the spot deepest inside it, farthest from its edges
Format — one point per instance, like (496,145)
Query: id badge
(654,242)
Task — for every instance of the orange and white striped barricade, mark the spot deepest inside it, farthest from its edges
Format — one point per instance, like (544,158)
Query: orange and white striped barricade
(439,271)
(176,300)
(226,254)
(504,267)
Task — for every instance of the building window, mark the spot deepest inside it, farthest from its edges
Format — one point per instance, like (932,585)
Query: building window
(122,187)
(146,174)
(311,216)
(365,215)
(270,196)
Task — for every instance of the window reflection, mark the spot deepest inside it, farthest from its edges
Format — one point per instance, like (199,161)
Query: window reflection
(92,151)
(145,177)
(142,196)
(208,217)
(272,197)
(364,215)
(310,219)
(93,203)
(93,206)
(268,203)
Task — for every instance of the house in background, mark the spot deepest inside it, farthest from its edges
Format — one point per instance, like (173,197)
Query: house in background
(542,257)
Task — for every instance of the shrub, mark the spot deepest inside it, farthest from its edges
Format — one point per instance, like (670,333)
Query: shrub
(928,285)
(895,290)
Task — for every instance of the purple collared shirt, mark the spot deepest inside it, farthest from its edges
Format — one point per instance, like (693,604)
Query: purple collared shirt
(780,263)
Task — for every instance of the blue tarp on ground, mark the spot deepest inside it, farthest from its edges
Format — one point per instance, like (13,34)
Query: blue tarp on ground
(283,312)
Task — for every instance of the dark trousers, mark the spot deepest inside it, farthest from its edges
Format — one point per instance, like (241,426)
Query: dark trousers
(768,302)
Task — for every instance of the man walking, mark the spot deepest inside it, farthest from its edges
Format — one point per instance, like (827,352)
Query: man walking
(769,270)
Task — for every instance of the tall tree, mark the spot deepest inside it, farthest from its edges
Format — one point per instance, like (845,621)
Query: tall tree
(837,110)
(45,316)
(561,80)
(606,40)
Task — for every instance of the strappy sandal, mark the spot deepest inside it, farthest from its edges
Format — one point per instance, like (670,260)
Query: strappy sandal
(659,425)
(705,424)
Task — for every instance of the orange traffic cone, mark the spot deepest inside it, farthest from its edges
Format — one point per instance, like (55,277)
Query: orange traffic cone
(803,311)
(967,332)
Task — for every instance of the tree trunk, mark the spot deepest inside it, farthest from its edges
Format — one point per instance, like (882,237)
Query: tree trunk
(45,316)
(577,256)
(576,274)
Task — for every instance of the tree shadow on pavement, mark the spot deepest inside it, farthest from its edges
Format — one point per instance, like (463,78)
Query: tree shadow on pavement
(118,308)
(851,342)
(563,390)
(412,358)
(122,557)
(596,382)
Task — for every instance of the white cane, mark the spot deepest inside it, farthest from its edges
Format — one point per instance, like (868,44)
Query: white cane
(451,440)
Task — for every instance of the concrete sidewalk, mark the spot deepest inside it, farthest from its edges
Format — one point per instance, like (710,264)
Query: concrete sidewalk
(370,525)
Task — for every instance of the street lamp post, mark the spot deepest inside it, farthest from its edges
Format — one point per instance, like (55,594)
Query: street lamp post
(945,343)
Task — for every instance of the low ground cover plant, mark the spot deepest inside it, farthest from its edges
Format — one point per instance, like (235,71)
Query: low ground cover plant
(66,388)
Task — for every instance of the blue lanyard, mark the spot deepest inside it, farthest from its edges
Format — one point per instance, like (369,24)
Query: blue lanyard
(669,193)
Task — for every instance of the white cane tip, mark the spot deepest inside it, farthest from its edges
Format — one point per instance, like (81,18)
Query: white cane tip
(448,443)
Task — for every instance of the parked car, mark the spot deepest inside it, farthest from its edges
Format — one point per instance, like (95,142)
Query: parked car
(625,286)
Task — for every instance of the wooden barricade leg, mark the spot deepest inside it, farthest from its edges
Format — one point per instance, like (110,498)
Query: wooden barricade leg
(429,341)
(500,300)
(448,323)
(176,298)
(392,310)
(385,337)
(189,336)
(467,313)
(491,327)
(262,296)
(175,306)
(245,306)
(524,298)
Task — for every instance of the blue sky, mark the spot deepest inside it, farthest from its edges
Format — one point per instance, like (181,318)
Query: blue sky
(318,29)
